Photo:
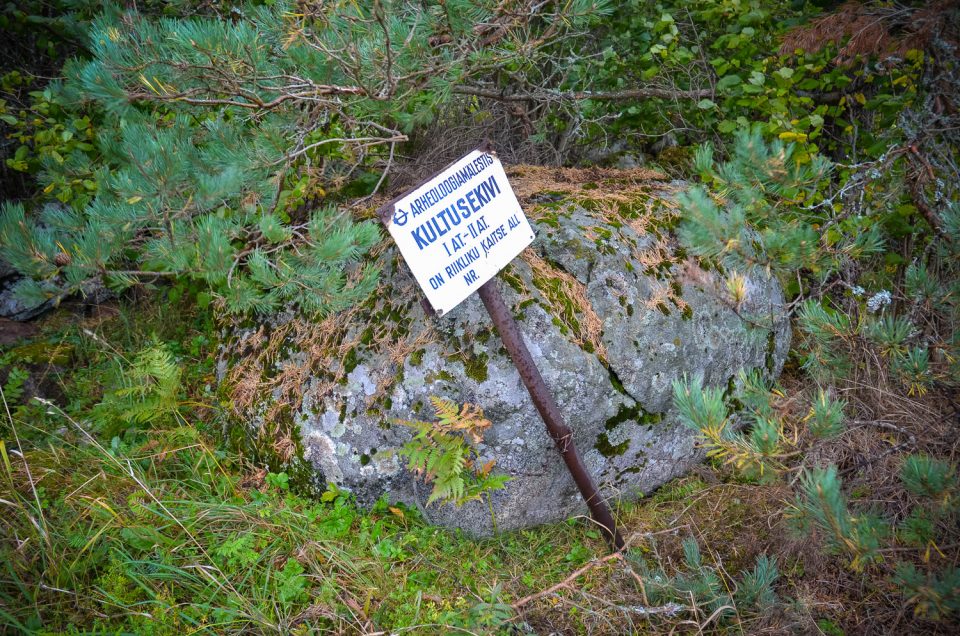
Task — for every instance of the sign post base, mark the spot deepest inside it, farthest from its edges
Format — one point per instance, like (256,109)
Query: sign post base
(547,407)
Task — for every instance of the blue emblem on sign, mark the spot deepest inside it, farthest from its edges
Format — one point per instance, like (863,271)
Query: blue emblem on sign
(400,217)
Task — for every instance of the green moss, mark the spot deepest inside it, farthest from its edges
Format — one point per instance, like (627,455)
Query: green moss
(625,413)
(237,437)
(559,325)
(350,361)
(510,277)
(768,360)
(305,478)
(439,376)
(679,490)
(634,413)
(57,354)
(551,220)
(476,367)
(708,264)
(604,247)
(416,358)
(729,395)
(687,313)
(602,232)
(560,305)
(616,383)
(609,450)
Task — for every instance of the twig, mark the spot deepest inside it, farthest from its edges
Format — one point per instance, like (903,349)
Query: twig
(386,170)
(616,556)
(545,95)
(345,140)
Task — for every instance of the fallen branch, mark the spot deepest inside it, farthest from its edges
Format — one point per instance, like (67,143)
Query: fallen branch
(637,93)
(616,556)
(669,608)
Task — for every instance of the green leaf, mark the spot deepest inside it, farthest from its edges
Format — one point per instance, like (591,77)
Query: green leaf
(728,81)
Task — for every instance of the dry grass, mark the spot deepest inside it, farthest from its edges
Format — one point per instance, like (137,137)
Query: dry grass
(604,185)
(884,426)
(280,365)
(559,286)
(732,524)
(735,522)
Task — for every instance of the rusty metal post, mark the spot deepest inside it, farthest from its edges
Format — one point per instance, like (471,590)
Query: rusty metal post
(542,398)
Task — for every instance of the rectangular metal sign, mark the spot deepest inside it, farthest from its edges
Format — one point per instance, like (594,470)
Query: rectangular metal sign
(459,229)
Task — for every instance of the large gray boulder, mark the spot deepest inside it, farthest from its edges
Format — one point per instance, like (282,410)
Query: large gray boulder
(612,315)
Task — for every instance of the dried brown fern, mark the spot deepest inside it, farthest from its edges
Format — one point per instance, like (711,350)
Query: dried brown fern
(865,30)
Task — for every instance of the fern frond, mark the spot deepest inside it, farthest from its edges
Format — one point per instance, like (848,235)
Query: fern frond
(444,453)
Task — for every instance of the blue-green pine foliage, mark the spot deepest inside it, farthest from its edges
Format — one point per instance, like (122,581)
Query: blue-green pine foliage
(208,123)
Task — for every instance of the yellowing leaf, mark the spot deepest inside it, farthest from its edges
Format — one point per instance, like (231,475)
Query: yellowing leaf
(135,199)
(793,136)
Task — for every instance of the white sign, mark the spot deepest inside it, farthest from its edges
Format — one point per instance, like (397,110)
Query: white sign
(459,229)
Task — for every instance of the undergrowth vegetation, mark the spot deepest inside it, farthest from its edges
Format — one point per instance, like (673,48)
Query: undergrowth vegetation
(126,516)
(197,165)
